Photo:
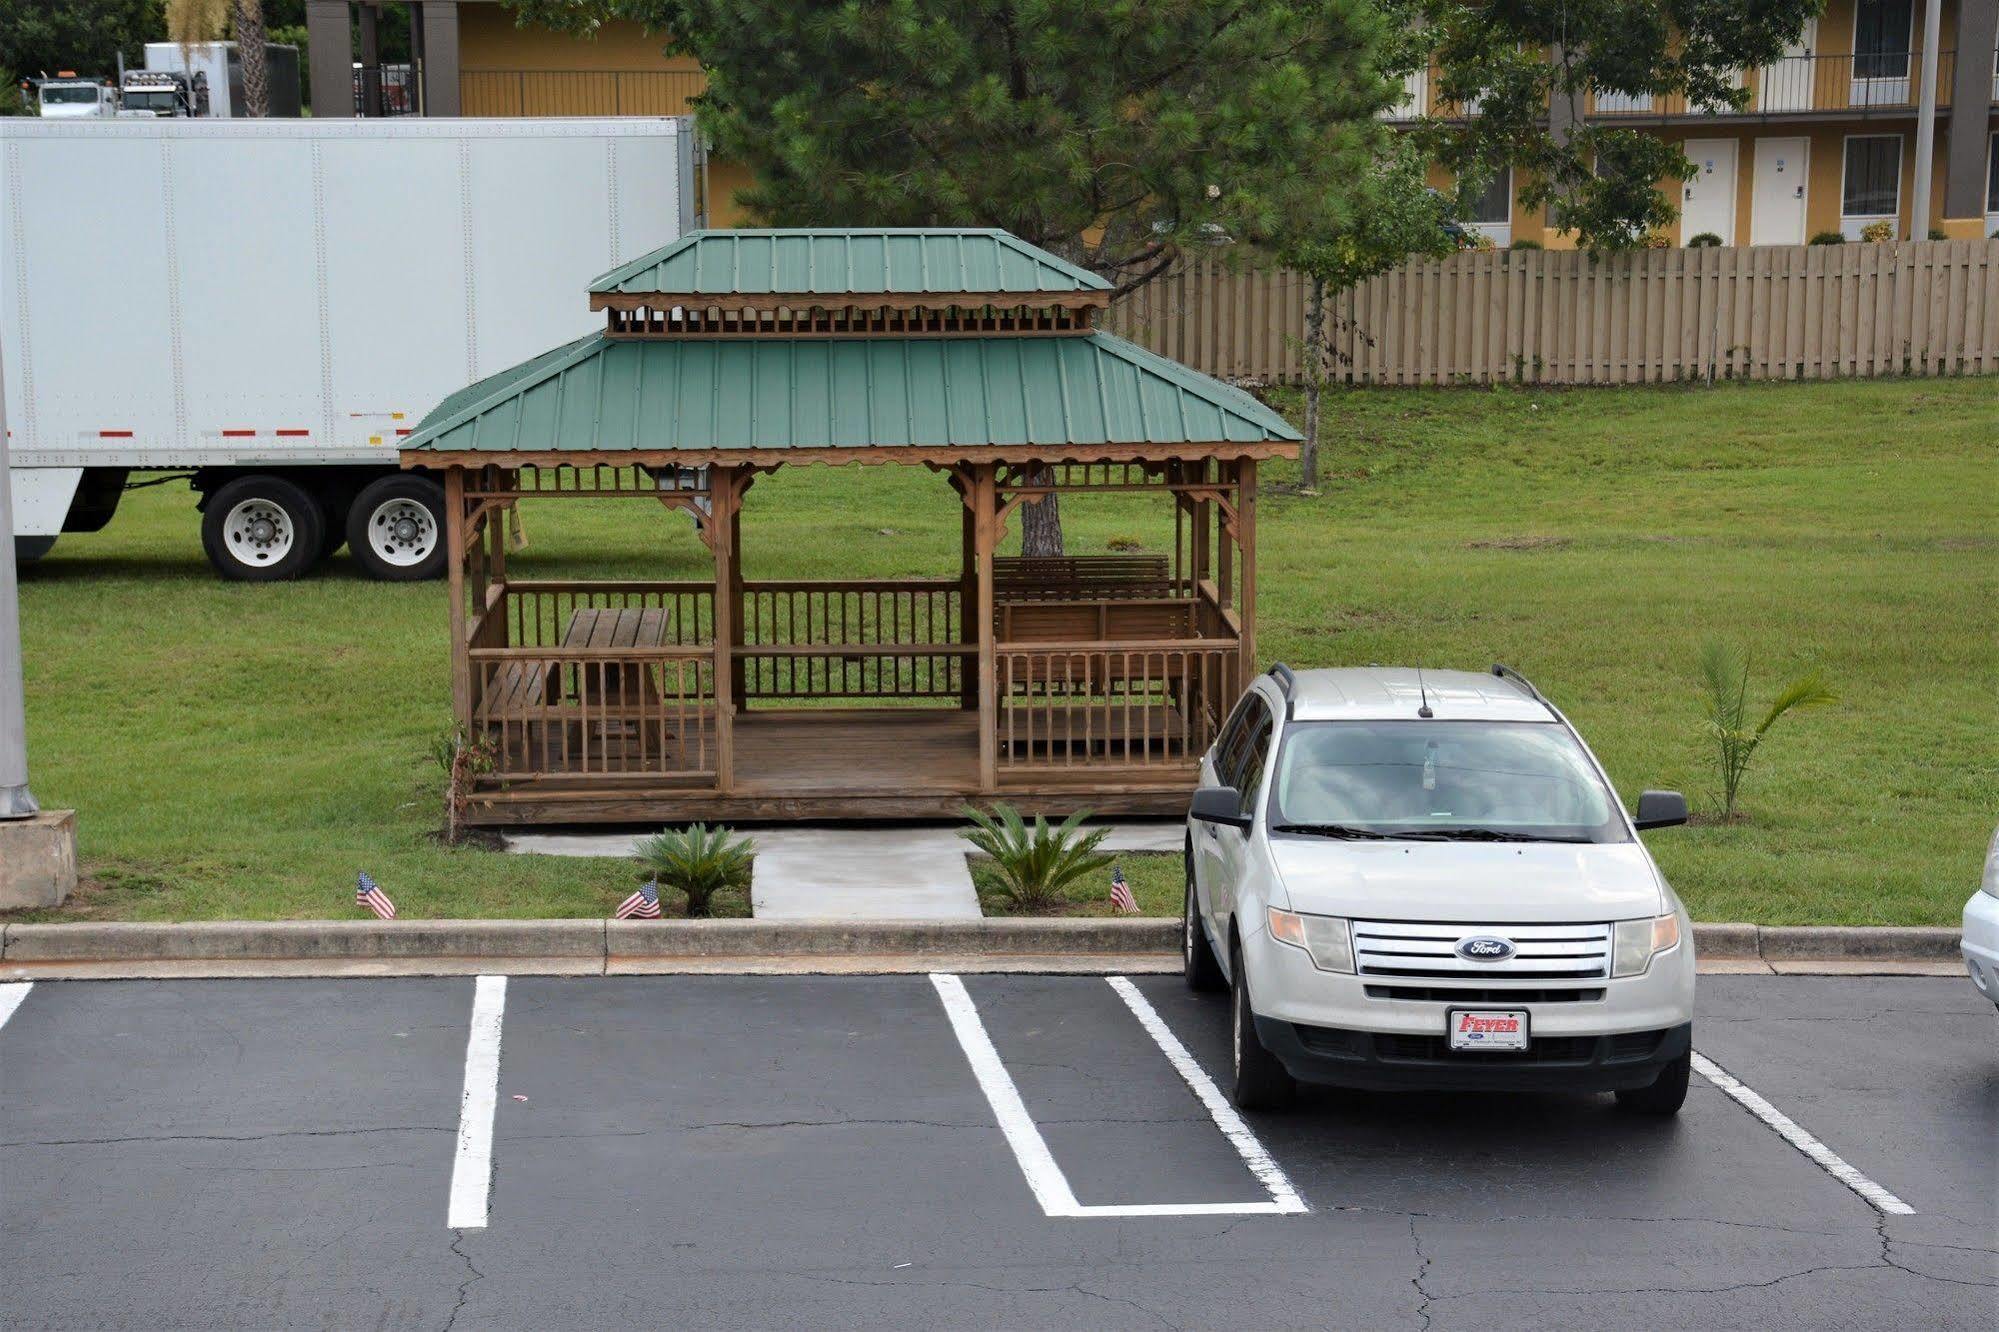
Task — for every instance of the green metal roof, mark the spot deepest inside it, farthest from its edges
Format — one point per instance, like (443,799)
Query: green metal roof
(868,261)
(604,394)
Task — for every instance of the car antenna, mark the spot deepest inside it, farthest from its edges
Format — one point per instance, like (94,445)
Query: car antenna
(1424,691)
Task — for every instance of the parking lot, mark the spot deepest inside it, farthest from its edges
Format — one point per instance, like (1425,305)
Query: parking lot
(818,1151)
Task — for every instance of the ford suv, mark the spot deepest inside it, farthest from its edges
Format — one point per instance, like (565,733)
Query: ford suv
(1423,879)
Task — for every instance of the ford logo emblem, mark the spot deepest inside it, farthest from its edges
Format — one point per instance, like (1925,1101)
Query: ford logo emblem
(1484,948)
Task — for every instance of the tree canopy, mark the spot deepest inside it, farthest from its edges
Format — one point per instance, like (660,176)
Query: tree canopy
(1119,132)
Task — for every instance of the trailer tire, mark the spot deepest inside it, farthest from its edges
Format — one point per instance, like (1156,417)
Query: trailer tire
(262,529)
(395,529)
(29,549)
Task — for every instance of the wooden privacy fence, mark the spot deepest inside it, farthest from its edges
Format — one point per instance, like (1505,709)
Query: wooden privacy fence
(1566,317)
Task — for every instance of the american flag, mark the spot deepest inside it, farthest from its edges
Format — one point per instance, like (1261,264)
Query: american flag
(369,894)
(643,904)
(1121,898)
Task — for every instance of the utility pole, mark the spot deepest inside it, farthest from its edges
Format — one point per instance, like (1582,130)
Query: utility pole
(1926,121)
(16,802)
(37,846)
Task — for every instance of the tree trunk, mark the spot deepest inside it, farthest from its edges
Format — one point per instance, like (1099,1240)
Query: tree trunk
(1041,520)
(1315,382)
(250,49)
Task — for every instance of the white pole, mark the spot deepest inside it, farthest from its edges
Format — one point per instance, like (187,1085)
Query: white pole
(1926,121)
(16,802)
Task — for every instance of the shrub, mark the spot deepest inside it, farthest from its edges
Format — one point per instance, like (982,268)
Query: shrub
(698,860)
(1036,864)
(1704,241)
(1936,233)
(1827,238)
(1525,244)
(1655,240)
(1124,543)
(1725,679)
(1876,232)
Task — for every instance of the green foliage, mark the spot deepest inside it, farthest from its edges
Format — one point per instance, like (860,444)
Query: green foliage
(1525,244)
(698,860)
(1706,240)
(84,35)
(1725,687)
(1878,232)
(1827,238)
(1120,133)
(1601,177)
(1036,864)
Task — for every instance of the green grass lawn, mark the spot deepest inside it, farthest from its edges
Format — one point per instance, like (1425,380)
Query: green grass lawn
(240,750)
(1155,877)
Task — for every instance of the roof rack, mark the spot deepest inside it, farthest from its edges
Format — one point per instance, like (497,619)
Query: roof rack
(1287,681)
(1505,672)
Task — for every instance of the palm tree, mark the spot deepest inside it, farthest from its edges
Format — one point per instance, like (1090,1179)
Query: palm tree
(191,21)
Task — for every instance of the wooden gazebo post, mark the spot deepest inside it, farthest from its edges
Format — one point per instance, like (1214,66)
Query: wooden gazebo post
(985,537)
(725,497)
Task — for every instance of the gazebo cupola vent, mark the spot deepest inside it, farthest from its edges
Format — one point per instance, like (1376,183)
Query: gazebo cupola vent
(1054,684)
(825,283)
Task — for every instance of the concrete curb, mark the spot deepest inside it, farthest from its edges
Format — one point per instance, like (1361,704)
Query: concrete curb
(600,947)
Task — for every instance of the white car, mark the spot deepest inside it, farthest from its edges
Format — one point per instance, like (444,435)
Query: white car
(1423,879)
(1981,927)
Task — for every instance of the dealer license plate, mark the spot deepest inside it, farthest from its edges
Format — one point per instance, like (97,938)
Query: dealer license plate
(1488,1028)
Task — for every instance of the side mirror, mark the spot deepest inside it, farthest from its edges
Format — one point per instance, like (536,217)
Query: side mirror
(1219,804)
(1660,809)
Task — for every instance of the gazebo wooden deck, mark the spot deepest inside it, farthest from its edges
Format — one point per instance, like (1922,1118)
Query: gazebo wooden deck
(1054,684)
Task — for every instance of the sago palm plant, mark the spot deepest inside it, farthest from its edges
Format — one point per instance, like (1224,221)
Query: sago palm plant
(1036,864)
(1725,682)
(698,860)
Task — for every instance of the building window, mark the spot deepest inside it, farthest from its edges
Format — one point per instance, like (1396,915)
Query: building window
(1881,31)
(1872,188)
(1492,209)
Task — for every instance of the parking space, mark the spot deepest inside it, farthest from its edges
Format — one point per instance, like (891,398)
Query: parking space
(738,1151)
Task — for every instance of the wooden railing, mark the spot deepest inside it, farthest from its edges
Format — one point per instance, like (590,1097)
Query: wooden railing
(540,614)
(1066,706)
(585,713)
(853,639)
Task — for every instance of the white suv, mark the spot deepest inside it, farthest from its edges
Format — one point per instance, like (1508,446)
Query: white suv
(1423,879)
(1981,927)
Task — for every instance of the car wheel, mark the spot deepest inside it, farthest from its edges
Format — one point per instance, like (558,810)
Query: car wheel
(1261,1081)
(1665,1094)
(395,529)
(1197,955)
(262,529)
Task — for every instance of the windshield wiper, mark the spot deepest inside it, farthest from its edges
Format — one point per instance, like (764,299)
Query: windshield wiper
(1347,832)
(1490,835)
(1344,832)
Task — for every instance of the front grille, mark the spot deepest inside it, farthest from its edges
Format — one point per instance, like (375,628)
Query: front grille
(1477,994)
(1426,949)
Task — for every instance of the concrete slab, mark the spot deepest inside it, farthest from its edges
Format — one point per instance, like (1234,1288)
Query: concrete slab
(862,874)
(38,860)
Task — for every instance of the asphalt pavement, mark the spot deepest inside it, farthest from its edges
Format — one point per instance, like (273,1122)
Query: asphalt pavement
(819,1151)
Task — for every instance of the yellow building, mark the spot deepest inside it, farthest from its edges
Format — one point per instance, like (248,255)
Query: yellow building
(1827,142)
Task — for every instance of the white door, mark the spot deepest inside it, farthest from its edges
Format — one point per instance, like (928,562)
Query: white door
(1777,199)
(1707,199)
(1786,85)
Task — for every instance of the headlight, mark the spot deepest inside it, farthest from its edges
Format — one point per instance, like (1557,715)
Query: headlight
(1326,938)
(1639,941)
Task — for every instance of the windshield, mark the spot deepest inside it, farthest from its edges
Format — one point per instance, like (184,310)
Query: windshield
(150,101)
(1500,781)
(68,94)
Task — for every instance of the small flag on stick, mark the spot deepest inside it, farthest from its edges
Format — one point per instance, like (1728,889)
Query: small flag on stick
(641,905)
(369,894)
(1121,898)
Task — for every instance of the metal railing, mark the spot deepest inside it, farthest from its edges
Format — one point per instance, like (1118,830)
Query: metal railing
(1863,85)
(386,90)
(579,92)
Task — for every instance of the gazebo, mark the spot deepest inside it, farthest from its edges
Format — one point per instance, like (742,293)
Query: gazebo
(1053,684)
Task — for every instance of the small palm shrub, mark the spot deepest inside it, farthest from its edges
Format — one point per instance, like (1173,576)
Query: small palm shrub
(1826,238)
(1525,243)
(698,860)
(1725,682)
(1036,864)
(1706,240)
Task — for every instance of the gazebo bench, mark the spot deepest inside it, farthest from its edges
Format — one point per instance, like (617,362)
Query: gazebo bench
(1080,577)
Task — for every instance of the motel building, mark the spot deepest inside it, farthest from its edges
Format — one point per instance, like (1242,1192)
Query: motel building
(1826,143)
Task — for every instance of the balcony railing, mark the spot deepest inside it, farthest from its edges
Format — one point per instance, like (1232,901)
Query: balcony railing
(1873,84)
(579,92)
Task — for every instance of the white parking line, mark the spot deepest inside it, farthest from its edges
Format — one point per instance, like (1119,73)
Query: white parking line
(1828,1160)
(1050,1186)
(472,1171)
(11,995)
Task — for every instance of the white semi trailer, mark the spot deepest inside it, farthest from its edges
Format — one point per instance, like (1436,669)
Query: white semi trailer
(267,306)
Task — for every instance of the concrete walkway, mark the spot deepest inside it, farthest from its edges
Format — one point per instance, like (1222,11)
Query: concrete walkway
(850,873)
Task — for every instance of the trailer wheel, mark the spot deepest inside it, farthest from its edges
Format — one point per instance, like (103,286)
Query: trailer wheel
(395,530)
(262,529)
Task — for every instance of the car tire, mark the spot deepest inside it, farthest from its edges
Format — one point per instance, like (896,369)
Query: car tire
(262,529)
(1197,956)
(1261,1080)
(1664,1095)
(395,529)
